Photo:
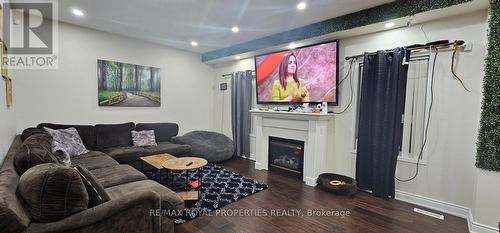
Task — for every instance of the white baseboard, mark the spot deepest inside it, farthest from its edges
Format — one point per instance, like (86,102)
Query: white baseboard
(260,166)
(434,204)
(310,181)
(445,207)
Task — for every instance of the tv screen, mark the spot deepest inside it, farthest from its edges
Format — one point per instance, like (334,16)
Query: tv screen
(302,75)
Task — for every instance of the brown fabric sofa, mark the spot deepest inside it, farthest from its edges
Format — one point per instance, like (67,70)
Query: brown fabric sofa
(133,196)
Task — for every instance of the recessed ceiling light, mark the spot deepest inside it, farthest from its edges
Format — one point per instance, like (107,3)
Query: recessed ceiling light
(77,12)
(237,57)
(235,29)
(301,6)
(291,46)
(194,43)
(389,25)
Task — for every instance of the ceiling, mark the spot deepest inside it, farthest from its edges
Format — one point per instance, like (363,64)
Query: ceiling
(176,23)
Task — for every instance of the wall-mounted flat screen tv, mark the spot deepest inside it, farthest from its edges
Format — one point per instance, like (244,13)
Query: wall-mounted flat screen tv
(302,75)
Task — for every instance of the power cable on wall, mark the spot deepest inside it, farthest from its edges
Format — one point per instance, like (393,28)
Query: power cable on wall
(348,76)
(425,34)
(455,48)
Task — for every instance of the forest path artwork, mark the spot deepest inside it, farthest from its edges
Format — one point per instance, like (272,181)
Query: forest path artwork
(122,84)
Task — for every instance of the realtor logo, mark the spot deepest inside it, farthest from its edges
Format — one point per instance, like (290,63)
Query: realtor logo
(30,34)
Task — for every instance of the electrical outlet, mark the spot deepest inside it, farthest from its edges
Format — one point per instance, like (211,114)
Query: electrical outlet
(223,86)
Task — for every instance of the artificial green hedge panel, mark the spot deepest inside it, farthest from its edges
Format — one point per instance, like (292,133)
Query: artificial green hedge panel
(389,11)
(488,147)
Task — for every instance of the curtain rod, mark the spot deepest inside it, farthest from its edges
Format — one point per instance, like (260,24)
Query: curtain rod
(436,44)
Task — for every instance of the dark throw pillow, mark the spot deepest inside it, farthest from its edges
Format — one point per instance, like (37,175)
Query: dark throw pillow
(52,192)
(97,194)
(31,131)
(35,150)
(144,138)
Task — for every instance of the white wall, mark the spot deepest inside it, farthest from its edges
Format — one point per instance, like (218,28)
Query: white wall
(69,94)
(8,120)
(8,123)
(449,174)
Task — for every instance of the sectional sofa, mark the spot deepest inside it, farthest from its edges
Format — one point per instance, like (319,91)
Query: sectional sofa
(115,140)
(111,160)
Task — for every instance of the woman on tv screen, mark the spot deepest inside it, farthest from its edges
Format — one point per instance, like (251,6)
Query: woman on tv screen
(301,75)
(289,88)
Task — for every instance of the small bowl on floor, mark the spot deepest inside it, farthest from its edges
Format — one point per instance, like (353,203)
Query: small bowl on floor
(337,184)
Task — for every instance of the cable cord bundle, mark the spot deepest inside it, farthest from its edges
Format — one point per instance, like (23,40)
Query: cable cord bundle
(455,48)
(348,76)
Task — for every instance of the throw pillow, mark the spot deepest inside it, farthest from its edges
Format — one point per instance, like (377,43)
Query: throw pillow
(97,194)
(66,143)
(144,138)
(52,192)
(31,131)
(35,150)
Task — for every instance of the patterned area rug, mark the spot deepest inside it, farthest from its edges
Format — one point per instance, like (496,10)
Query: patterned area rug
(220,188)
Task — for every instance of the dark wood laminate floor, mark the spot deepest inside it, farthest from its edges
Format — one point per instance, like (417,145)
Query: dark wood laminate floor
(367,213)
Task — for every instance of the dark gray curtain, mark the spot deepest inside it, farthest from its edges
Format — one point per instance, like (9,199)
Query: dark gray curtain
(383,88)
(241,100)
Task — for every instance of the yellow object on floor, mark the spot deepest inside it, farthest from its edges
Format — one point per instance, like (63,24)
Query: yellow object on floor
(337,182)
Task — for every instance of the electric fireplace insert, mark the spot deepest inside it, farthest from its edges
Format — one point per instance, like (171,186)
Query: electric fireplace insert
(286,156)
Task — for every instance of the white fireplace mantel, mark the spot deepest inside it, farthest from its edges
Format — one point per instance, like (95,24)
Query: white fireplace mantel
(312,128)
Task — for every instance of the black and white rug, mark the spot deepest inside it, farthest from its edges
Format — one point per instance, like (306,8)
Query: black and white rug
(220,188)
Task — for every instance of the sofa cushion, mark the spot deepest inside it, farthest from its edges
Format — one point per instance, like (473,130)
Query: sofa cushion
(31,131)
(169,199)
(121,174)
(168,147)
(52,192)
(92,153)
(125,154)
(86,133)
(163,131)
(144,138)
(97,194)
(95,162)
(33,151)
(113,135)
(14,217)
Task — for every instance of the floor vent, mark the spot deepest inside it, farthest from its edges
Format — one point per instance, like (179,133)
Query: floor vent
(428,213)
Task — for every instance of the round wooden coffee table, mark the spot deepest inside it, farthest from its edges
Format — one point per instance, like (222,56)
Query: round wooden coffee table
(187,164)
